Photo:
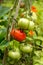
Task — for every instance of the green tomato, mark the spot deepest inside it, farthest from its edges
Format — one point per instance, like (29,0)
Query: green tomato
(14,55)
(23,64)
(31,25)
(26,48)
(3,45)
(36,64)
(23,23)
(34,16)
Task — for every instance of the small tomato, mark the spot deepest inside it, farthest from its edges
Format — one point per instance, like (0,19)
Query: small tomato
(31,25)
(34,16)
(33,9)
(31,33)
(26,48)
(18,35)
(23,23)
(14,55)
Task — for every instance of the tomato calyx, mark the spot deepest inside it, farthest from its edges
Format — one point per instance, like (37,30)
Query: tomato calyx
(22,15)
(19,35)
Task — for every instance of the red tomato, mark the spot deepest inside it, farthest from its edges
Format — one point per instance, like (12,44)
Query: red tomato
(18,35)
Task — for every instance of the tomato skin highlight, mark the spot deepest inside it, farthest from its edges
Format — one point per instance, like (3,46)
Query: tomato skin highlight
(18,35)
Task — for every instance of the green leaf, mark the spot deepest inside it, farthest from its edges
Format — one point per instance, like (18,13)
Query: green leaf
(37,53)
(2,32)
(4,44)
(29,39)
(1,64)
(3,10)
(38,42)
(15,43)
(38,38)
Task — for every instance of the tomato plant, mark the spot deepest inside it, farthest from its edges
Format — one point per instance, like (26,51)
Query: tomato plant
(21,32)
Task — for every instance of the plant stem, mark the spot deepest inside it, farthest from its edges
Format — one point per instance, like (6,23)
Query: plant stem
(30,4)
(8,26)
(4,57)
(8,35)
(16,13)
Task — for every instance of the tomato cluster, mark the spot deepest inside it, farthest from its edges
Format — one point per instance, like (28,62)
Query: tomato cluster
(20,35)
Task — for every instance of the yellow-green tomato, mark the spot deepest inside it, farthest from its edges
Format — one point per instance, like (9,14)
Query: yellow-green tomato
(14,55)
(34,16)
(23,23)
(31,25)
(26,48)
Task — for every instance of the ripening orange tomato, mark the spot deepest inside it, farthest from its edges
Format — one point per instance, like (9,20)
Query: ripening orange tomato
(31,33)
(33,9)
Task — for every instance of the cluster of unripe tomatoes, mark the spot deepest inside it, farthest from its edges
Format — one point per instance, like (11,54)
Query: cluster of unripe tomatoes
(24,24)
(20,35)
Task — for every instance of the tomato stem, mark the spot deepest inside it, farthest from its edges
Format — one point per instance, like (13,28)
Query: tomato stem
(4,57)
(16,13)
